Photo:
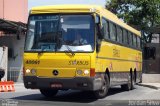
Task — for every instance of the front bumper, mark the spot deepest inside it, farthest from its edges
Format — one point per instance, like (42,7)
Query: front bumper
(77,83)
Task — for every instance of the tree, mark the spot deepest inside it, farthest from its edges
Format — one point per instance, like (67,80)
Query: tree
(144,13)
(137,13)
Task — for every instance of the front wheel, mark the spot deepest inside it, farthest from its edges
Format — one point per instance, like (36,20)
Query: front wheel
(104,89)
(48,92)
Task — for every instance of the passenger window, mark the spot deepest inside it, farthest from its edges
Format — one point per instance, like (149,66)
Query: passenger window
(130,35)
(138,42)
(134,40)
(105,28)
(112,28)
(125,36)
(119,34)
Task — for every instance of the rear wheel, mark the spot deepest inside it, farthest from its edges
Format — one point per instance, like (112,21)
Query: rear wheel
(130,84)
(135,77)
(48,92)
(104,90)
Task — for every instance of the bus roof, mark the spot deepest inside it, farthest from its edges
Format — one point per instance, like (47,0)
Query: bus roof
(83,9)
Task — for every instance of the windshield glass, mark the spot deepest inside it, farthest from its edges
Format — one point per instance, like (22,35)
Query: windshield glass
(60,33)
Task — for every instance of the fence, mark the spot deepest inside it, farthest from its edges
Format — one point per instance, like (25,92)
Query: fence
(14,74)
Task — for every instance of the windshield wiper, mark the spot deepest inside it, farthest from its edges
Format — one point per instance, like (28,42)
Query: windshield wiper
(69,49)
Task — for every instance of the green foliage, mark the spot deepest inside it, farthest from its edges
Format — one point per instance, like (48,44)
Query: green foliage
(141,13)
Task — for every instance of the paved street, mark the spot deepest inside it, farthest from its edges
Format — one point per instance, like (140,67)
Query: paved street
(116,97)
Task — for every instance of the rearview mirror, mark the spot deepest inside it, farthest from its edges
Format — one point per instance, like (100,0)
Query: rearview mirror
(99,31)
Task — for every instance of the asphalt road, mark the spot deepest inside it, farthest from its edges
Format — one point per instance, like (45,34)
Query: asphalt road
(140,96)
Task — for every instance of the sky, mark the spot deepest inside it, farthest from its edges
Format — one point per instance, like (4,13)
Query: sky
(33,3)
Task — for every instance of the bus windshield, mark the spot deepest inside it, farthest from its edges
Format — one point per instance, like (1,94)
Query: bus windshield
(60,33)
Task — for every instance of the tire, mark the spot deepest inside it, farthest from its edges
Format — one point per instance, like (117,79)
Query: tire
(135,77)
(99,94)
(48,92)
(130,84)
(133,81)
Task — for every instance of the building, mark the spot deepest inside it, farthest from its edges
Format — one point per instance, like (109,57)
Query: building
(151,57)
(14,10)
(13,19)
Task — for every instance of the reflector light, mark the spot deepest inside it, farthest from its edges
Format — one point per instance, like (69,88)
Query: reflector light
(92,72)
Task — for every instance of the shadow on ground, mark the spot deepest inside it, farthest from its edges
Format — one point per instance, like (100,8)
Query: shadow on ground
(69,96)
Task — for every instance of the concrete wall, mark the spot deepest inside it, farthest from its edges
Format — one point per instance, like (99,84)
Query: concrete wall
(14,10)
(1,9)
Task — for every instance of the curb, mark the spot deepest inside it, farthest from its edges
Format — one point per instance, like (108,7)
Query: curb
(149,86)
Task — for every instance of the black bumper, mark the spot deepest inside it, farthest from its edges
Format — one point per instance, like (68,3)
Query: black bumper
(77,83)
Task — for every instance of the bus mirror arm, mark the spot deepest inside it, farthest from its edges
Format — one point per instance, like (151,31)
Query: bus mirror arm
(98,45)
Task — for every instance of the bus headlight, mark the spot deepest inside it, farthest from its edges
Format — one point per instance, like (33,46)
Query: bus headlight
(86,72)
(33,71)
(79,72)
(28,71)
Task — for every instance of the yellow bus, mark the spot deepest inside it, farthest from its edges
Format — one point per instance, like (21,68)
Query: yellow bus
(80,47)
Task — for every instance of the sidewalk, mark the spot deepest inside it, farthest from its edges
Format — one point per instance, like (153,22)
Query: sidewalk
(19,87)
(151,85)
(19,84)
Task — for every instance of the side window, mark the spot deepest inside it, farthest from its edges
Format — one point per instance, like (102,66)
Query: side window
(134,40)
(112,28)
(119,34)
(125,36)
(105,28)
(138,42)
(130,35)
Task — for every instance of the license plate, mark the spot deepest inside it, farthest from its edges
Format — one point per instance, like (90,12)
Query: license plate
(56,85)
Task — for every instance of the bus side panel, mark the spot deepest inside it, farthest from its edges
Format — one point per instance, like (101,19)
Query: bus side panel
(119,61)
